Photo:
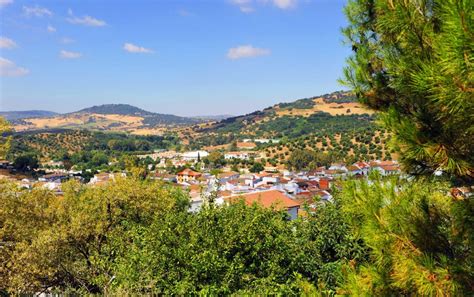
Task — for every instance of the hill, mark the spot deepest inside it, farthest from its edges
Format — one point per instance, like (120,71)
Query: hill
(108,117)
(53,144)
(23,114)
(124,109)
(335,123)
(218,117)
(285,119)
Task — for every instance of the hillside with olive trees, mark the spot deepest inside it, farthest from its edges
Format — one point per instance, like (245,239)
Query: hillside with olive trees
(335,123)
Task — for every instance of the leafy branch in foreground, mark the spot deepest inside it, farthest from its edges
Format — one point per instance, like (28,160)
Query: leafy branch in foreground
(412,60)
(421,241)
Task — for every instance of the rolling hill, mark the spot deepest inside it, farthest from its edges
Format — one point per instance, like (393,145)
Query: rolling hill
(335,123)
(283,118)
(18,115)
(108,117)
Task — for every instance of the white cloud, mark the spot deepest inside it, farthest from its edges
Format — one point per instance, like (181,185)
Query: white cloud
(85,20)
(51,29)
(7,43)
(5,2)
(246,51)
(132,48)
(247,6)
(36,11)
(69,55)
(67,40)
(8,68)
(284,4)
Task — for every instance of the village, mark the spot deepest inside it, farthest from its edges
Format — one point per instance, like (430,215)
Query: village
(272,186)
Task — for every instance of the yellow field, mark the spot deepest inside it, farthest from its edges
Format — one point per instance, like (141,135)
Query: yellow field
(93,121)
(331,108)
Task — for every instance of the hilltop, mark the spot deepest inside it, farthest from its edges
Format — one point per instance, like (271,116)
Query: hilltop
(124,109)
(334,122)
(107,117)
(291,119)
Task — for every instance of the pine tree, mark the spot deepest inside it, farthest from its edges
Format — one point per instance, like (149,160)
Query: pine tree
(419,240)
(412,61)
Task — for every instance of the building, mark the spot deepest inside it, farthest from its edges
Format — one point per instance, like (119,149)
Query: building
(387,169)
(194,155)
(104,177)
(237,155)
(56,176)
(187,175)
(164,177)
(338,167)
(268,199)
(226,176)
(4,163)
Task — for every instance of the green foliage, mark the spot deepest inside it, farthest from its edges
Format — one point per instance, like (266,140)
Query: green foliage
(256,167)
(421,241)
(86,149)
(150,118)
(235,249)
(72,241)
(26,162)
(137,237)
(306,103)
(307,160)
(265,124)
(5,141)
(215,160)
(413,62)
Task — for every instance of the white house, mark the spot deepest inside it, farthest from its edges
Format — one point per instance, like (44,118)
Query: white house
(194,155)
(237,155)
(338,167)
(387,169)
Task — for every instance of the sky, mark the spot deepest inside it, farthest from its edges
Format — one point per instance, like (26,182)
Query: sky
(195,57)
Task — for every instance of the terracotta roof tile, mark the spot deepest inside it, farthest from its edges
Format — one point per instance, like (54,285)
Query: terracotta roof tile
(267,199)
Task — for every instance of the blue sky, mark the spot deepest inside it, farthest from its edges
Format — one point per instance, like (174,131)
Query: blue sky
(191,57)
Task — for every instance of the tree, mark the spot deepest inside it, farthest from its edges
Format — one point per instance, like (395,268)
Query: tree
(215,159)
(66,159)
(26,162)
(256,167)
(420,241)
(236,249)
(73,242)
(300,159)
(413,62)
(307,160)
(99,158)
(5,141)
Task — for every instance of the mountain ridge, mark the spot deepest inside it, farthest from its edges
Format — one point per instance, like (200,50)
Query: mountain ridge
(105,117)
(23,114)
(125,109)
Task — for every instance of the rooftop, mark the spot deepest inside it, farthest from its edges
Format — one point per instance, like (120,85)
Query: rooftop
(267,199)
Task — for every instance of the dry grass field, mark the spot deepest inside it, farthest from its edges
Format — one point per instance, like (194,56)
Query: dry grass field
(113,122)
(332,108)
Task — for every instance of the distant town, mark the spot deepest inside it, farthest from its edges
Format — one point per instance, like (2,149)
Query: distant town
(270,186)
